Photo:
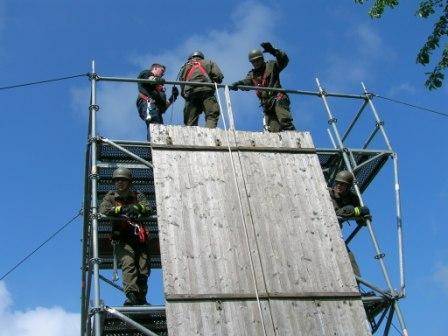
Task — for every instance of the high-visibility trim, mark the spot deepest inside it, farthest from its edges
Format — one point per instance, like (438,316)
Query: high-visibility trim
(357,211)
(118,209)
(142,208)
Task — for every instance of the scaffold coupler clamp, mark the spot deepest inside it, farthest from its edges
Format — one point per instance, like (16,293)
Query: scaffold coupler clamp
(93,76)
(95,261)
(369,95)
(96,216)
(95,310)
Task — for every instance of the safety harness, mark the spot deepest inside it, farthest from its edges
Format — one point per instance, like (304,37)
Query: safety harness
(263,82)
(139,230)
(195,65)
(158,88)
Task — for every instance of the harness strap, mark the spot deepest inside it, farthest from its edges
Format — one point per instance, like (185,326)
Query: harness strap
(195,65)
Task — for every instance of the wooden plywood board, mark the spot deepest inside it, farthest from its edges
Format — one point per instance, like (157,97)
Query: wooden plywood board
(284,217)
(240,318)
(203,242)
(291,317)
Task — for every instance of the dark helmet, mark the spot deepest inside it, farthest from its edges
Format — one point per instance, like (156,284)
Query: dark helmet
(124,173)
(344,176)
(255,54)
(197,53)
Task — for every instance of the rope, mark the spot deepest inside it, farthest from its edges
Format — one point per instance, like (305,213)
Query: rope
(412,105)
(41,245)
(172,113)
(242,215)
(43,81)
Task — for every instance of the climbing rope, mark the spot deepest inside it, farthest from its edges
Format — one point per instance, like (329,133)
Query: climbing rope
(243,220)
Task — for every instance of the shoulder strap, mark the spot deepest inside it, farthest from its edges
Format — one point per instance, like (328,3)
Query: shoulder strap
(195,65)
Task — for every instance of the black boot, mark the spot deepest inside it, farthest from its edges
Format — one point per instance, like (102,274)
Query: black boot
(131,299)
(142,300)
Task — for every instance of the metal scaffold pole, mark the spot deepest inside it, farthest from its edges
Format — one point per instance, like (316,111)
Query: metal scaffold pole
(379,255)
(84,266)
(396,190)
(95,261)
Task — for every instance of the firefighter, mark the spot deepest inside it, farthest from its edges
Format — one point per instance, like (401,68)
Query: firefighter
(128,206)
(347,206)
(151,100)
(276,105)
(200,99)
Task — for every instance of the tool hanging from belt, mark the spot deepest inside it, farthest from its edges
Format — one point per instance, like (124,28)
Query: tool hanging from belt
(115,276)
(139,231)
(151,108)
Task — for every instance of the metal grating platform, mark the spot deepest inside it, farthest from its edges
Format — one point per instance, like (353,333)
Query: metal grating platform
(109,158)
(154,320)
(369,163)
(109,153)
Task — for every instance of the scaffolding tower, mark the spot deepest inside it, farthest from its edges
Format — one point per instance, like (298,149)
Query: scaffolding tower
(103,155)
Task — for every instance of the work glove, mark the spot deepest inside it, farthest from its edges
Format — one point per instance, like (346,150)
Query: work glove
(174,94)
(133,211)
(268,48)
(364,212)
(346,211)
(157,80)
(234,86)
(118,210)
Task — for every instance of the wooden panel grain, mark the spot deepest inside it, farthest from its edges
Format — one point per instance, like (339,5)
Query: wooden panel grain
(319,318)
(294,239)
(240,318)
(208,238)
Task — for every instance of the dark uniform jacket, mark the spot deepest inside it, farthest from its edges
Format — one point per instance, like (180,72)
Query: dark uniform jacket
(213,75)
(121,229)
(340,201)
(153,91)
(267,76)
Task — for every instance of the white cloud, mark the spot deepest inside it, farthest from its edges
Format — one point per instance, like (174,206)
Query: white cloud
(251,23)
(440,276)
(39,321)
(367,49)
(369,42)
(403,88)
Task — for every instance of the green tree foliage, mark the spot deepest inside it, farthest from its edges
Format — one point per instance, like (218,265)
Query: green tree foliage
(426,9)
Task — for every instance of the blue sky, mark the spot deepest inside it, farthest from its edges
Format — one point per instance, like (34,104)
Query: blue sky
(43,128)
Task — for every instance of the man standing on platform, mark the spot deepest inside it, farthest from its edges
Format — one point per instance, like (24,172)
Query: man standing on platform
(151,100)
(347,206)
(200,99)
(128,206)
(276,105)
